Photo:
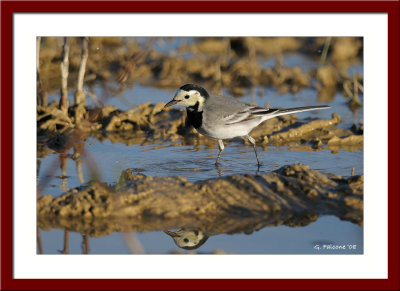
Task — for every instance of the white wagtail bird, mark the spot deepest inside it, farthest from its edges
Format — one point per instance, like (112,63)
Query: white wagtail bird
(220,117)
(188,239)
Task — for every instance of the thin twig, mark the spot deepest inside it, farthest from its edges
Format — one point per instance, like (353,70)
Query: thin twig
(325,51)
(355,89)
(40,91)
(80,94)
(252,48)
(66,242)
(133,243)
(39,240)
(85,244)
(64,76)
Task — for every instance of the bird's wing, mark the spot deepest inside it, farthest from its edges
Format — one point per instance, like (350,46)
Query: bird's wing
(250,112)
(227,111)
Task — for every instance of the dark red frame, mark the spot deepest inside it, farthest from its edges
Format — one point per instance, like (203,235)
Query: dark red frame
(7,10)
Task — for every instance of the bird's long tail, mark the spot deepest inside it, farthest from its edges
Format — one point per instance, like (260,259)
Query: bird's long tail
(273,112)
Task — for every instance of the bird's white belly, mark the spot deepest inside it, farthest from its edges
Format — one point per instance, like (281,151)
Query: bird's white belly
(225,132)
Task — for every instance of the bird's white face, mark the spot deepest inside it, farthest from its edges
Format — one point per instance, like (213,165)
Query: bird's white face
(188,239)
(187,99)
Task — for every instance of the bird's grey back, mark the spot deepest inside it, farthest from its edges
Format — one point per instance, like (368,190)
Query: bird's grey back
(219,107)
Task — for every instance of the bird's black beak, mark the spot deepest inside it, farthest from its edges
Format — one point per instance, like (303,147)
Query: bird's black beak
(170,103)
(170,233)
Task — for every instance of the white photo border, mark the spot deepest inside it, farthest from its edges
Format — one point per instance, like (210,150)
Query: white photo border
(373,27)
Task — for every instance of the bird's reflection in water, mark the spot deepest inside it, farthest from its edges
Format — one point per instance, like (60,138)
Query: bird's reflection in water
(219,170)
(188,239)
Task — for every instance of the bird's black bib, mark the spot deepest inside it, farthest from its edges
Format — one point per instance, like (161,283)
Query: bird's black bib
(195,117)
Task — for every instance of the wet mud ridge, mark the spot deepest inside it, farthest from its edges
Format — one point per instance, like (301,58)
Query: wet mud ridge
(293,195)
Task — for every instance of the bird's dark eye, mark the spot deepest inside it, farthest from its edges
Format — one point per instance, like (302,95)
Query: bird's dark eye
(185,240)
(187,96)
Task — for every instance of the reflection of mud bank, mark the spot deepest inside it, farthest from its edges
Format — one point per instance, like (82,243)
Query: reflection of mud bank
(148,123)
(292,195)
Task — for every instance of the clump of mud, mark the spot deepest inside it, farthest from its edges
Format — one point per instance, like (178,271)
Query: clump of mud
(292,195)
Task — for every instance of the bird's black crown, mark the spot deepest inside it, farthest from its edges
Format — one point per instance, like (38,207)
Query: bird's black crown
(189,87)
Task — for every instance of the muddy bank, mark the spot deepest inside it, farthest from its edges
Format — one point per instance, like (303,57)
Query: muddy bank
(216,63)
(292,195)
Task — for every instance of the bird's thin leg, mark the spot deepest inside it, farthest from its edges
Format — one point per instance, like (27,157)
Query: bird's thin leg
(221,148)
(253,142)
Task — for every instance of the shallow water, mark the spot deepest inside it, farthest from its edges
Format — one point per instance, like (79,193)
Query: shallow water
(197,163)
